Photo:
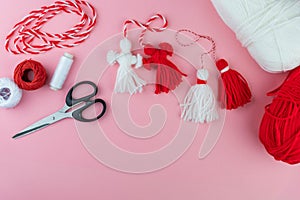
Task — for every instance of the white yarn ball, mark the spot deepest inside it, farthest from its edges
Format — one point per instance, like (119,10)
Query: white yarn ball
(269,29)
(10,93)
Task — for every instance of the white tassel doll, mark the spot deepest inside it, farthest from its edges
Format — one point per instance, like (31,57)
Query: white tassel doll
(200,104)
(127,80)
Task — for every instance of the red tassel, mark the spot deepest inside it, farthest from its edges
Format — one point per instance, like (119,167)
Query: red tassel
(280,126)
(237,92)
(168,76)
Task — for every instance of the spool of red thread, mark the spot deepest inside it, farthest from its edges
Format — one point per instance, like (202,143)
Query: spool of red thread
(22,72)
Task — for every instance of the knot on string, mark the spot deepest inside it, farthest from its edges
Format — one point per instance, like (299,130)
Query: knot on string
(146,26)
(265,20)
(27,36)
(199,81)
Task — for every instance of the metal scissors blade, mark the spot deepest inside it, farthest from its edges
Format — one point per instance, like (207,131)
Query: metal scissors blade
(55,117)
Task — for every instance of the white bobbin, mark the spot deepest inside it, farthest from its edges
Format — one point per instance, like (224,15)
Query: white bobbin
(61,71)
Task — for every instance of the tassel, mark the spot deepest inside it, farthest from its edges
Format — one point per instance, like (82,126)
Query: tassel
(127,80)
(168,76)
(237,91)
(200,103)
(280,126)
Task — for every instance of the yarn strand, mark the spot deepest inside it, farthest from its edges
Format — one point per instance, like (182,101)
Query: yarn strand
(211,52)
(146,26)
(280,126)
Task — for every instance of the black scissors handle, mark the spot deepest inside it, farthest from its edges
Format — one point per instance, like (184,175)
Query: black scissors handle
(71,101)
(77,114)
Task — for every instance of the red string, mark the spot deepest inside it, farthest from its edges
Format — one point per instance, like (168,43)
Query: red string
(212,51)
(149,28)
(280,126)
(146,26)
(199,81)
(22,71)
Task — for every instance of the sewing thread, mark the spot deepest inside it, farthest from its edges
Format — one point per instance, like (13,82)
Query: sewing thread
(61,71)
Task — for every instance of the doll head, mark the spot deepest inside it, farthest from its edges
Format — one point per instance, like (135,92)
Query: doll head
(125,45)
(167,48)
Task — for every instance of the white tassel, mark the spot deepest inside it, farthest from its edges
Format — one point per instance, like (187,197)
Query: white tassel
(200,103)
(127,80)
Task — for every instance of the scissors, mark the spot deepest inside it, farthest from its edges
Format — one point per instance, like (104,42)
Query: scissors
(69,110)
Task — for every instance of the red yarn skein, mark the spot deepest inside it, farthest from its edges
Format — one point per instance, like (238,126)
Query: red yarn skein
(21,75)
(280,126)
(236,87)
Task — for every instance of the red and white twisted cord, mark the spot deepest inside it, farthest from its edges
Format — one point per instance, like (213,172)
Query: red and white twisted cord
(197,36)
(28,38)
(146,26)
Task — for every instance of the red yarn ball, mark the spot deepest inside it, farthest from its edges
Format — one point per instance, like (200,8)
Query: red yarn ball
(22,71)
(280,126)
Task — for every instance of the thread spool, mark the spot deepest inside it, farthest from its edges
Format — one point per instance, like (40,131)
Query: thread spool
(61,71)
(22,71)
(10,93)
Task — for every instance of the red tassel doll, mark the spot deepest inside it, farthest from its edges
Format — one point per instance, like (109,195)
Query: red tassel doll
(168,76)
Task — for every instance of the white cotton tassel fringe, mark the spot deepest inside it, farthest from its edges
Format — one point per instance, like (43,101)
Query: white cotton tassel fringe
(200,103)
(127,80)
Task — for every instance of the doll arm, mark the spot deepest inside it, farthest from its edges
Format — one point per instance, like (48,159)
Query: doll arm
(139,61)
(111,57)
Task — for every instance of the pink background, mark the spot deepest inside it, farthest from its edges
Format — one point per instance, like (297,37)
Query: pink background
(53,163)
